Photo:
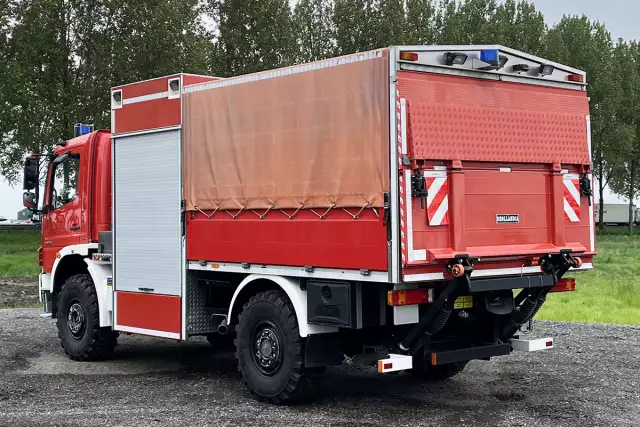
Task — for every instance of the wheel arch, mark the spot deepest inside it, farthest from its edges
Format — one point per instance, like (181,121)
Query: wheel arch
(74,260)
(255,283)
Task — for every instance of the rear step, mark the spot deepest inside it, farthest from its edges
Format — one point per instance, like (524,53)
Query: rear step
(400,362)
(395,362)
(531,345)
(461,355)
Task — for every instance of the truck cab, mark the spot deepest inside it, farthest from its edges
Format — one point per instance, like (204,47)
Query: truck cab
(76,207)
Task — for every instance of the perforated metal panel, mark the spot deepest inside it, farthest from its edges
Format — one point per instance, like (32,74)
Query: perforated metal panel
(147,229)
(458,118)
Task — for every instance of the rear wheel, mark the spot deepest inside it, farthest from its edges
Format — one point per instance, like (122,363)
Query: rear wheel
(424,370)
(78,321)
(269,348)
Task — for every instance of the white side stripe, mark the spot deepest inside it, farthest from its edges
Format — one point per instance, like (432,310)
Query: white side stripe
(144,98)
(152,332)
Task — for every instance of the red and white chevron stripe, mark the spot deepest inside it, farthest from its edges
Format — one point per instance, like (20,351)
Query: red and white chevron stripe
(437,185)
(402,149)
(571,197)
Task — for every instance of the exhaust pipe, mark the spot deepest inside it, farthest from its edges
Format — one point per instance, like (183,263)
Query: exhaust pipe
(222,327)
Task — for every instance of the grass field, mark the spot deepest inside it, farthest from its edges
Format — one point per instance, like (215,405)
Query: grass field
(608,294)
(18,253)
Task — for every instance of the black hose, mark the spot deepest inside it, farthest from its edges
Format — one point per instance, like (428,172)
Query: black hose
(526,311)
(440,320)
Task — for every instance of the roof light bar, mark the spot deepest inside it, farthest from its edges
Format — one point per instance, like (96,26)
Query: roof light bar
(490,56)
(455,58)
(520,68)
(408,56)
(578,78)
(546,69)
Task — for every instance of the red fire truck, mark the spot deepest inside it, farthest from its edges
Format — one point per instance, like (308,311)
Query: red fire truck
(408,208)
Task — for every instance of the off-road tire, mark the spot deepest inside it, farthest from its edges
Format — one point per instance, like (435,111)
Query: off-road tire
(287,383)
(424,370)
(91,342)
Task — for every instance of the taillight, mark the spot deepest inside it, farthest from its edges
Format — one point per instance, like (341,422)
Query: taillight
(410,297)
(408,56)
(565,285)
(40,256)
(578,78)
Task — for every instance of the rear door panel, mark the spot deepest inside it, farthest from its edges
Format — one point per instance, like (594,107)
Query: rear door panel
(501,163)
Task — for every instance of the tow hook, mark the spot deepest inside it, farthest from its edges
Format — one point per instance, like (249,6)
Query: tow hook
(462,265)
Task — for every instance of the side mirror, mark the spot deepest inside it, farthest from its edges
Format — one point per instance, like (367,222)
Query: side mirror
(29,201)
(31,178)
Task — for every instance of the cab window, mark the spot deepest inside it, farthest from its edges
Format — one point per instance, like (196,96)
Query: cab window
(66,171)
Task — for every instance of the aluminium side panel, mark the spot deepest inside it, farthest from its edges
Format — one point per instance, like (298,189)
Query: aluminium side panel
(147,213)
(148,256)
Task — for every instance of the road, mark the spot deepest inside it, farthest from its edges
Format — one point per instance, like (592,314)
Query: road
(591,378)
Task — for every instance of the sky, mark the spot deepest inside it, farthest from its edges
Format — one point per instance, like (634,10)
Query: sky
(619,16)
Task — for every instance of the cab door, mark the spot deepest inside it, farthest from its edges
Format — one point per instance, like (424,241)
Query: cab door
(62,222)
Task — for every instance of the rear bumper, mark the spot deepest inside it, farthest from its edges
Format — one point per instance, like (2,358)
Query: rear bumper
(508,283)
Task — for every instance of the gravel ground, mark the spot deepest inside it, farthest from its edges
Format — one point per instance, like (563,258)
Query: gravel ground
(591,378)
(18,291)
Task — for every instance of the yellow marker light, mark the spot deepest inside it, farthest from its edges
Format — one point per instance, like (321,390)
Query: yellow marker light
(215,266)
(57,255)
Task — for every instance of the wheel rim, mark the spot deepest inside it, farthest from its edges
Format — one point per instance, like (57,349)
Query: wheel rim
(265,349)
(76,320)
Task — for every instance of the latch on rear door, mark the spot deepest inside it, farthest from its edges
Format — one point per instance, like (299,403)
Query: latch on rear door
(419,187)
(585,187)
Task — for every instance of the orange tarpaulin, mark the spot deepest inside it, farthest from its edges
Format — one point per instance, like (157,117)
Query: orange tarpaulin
(316,138)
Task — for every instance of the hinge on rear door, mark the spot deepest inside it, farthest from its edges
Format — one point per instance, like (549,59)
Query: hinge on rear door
(419,188)
(585,187)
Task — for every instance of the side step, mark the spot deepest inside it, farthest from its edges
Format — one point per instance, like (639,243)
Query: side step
(531,345)
(395,362)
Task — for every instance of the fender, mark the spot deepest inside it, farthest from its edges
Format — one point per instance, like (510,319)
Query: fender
(100,272)
(297,296)
(82,250)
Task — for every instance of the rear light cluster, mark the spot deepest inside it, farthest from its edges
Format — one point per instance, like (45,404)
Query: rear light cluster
(410,297)
(40,256)
(565,285)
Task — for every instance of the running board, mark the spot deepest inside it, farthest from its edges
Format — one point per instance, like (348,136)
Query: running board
(395,362)
(531,345)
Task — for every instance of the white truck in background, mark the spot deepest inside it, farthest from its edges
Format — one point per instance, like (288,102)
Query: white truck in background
(617,214)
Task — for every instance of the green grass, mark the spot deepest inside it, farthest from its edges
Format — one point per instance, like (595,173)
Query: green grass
(610,293)
(18,253)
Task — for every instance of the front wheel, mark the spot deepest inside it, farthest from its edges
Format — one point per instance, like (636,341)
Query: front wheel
(269,348)
(79,324)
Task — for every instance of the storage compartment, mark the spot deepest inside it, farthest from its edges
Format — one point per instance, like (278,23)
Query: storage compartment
(346,304)
(334,303)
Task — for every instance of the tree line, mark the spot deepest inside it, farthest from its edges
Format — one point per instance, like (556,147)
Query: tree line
(59,58)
